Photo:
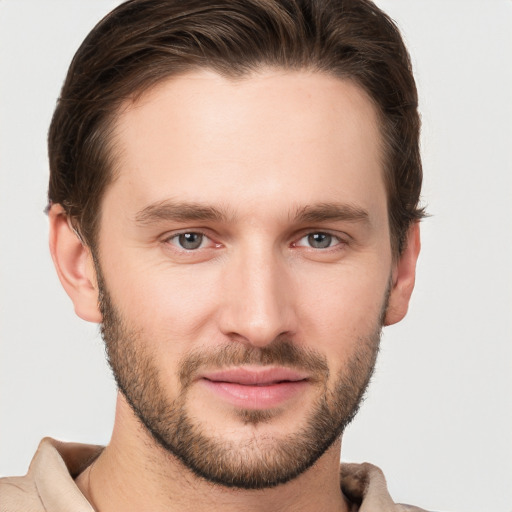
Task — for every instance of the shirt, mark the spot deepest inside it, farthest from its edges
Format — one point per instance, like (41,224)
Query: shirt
(49,484)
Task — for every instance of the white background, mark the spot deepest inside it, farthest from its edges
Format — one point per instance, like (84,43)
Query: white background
(438,418)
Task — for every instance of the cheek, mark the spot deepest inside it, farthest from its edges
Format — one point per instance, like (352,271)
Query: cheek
(170,304)
(340,308)
(165,311)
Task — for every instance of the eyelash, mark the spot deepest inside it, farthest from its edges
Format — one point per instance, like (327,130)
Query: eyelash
(176,237)
(330,238)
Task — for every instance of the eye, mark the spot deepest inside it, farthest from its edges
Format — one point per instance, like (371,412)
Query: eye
(189,241)
(319,240)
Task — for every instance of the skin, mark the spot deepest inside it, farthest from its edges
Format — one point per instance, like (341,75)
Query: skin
(259,150)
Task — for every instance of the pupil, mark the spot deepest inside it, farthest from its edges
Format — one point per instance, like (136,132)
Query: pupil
(190,240)
(320,240)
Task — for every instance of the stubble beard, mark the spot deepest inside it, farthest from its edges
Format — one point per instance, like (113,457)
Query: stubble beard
(261,461)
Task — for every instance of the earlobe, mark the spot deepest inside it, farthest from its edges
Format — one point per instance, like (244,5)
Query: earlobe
(74,264)
(403,277)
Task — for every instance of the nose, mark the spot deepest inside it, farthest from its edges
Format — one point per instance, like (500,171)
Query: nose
(258,299)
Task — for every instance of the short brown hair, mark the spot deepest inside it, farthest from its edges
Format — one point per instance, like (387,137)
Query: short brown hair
(142,42)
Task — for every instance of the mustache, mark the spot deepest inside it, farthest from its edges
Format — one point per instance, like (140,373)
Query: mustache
(281,352)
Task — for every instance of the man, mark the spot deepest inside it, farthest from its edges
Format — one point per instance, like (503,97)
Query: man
(234,196)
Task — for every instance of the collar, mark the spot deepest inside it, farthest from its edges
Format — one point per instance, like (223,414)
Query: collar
(56,464)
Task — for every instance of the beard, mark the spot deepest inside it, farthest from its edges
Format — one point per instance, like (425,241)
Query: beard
(262,460)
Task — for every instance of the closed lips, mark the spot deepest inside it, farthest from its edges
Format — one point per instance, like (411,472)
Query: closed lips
(255,376)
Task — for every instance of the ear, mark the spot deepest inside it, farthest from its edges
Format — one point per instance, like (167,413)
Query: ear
(403,276)
(74,264)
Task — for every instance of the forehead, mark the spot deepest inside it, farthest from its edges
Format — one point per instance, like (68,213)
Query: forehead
(301,137)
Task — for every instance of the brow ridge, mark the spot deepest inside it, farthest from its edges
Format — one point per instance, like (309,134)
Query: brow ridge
(179,212)
(324,212)
(168,210)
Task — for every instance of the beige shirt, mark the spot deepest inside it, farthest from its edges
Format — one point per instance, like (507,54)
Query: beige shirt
(49,484)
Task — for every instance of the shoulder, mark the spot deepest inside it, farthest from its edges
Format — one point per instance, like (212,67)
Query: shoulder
(409,508)
(19,494)
(49,484)
(365,485)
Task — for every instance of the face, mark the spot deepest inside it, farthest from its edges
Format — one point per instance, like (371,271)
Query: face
(244,263)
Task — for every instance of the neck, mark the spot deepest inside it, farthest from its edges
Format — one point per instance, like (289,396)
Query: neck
(134,474)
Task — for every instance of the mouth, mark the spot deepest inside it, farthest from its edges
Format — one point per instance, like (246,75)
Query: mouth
(255,387)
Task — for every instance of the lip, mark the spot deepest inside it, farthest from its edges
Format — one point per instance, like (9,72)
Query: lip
(255,376)
(255,387)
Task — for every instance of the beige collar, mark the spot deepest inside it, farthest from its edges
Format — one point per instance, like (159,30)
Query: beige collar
(50,482)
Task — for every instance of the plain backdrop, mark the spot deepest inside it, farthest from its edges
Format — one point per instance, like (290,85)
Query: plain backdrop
(438,417)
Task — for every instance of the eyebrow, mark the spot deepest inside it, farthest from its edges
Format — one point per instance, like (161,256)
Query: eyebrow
(179,212)
(169,210)
(324,212)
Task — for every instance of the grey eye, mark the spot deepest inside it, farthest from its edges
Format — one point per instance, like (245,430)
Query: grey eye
(320,240)
(190,241)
